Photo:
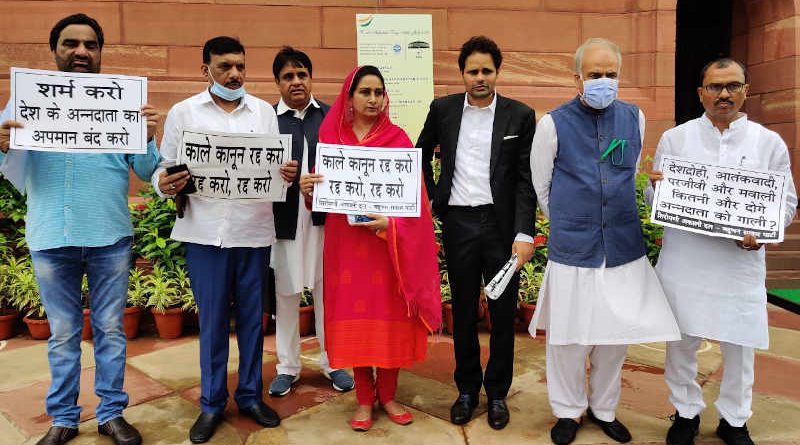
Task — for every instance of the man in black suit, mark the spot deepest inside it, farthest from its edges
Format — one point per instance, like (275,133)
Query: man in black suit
(487,205)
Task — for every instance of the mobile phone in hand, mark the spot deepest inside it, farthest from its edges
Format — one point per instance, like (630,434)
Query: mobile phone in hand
(356,219)
(190,187)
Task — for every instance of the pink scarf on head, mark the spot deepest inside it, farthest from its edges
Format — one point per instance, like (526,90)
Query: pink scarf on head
(410,241)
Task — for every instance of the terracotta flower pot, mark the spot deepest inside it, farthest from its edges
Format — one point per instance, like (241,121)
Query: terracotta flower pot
(8,318)
(484,305)
(448,317)
(38,327)
(143,264)
(86,334)
(306,320)
(130,321)
(170,323)
(525,312)
(265,318)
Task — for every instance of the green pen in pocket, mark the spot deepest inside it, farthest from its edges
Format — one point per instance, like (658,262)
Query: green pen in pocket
(612,146)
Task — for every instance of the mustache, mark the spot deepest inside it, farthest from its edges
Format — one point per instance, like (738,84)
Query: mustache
(719,101)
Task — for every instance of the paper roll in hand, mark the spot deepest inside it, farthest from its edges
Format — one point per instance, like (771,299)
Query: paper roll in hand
(498,284)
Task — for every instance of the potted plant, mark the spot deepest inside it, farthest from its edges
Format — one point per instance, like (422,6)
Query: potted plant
(530,282)
(306,313)
(86,333)
(8,315)
(153,218)
(135,303)
(165,302)
(25,296)
(447,298)
(188,303)
(653,233)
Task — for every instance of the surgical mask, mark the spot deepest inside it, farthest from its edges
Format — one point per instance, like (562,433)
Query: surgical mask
(227,93)
(599,93)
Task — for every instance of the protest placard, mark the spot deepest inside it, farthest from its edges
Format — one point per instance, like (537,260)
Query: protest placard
(720,201)
(78,112)
(360,180)
(236,165)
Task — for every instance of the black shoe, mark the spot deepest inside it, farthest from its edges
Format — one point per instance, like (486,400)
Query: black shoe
(564,431)
(461,411)
(614,429)
(683,430)
(733,435)
(498,414)
(58,435)
(121,431)
(204,427)
(262,414)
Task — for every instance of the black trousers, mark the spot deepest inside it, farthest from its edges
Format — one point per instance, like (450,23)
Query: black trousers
(474,249)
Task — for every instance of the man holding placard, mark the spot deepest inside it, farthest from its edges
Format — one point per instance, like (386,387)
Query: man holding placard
(78,223)
(297,253)
(219,135)
(716,285)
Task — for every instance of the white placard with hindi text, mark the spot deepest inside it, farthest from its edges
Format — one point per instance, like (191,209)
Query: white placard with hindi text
(360,180)
(720,201)
(78,112)
(236,165)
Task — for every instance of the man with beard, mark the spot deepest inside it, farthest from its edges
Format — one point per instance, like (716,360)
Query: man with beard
(297,254)
(716,285)
(227,241)
(486,202)
(69,197)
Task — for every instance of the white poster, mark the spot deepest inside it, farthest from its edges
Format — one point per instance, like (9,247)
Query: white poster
(720,201)
(78,112)
(236,165)
(401,46)
(360,180)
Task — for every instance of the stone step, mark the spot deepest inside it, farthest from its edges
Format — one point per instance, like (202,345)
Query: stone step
(790,242)
(794,227)
(783,279)
(783,260)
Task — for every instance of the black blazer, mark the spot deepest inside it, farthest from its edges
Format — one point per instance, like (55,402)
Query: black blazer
(510,176)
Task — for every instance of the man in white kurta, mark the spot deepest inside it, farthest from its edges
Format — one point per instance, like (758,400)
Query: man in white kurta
(594,304)
(716,285)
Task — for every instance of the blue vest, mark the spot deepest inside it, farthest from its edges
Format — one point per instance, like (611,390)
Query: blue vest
(593,211)
(301,129)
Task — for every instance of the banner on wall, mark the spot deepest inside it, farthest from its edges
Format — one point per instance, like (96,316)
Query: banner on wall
(401,46)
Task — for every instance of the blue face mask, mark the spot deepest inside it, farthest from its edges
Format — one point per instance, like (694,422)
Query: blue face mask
(227,93)
(599,93)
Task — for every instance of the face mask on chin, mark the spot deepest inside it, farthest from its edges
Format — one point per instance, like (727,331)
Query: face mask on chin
(599,93)
(226,93)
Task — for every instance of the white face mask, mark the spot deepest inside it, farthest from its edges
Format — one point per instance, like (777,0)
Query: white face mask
(600,93)
(226,93)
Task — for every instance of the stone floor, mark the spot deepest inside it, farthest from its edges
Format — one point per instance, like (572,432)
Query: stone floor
(163,380)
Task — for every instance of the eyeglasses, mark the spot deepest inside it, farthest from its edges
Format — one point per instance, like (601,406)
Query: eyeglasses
(716,88)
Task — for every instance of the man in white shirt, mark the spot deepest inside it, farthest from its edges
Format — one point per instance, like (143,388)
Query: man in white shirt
(487,206)
(599,292)
(716,285)
(227,241)
(297,253)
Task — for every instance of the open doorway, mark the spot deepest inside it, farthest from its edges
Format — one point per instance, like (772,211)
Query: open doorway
(703,33)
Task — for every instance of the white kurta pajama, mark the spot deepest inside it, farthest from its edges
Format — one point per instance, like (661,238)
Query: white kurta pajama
(716,289)
(298,264)
(591,311)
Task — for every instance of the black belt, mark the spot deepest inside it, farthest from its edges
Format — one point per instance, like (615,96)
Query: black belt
(470,209)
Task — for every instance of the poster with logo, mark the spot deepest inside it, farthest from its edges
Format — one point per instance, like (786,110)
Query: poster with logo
(401,46)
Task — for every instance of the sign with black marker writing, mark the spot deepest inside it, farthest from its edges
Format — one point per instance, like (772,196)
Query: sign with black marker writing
(78,112)
(359,180)
(720,201)
(236,165)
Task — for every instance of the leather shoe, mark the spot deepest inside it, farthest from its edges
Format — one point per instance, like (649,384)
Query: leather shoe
(204,427)
(498,414)
(58,435)
(262,414)
(121,431)
(461,411)
(614,429)
(564,431)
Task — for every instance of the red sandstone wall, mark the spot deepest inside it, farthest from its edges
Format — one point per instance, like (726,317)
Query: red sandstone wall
(765,36)
(162,40)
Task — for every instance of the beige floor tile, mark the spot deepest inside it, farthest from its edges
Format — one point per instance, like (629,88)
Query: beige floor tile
(24,366)
(179,366)
(327,425)
(784,343)
(9,434)
(428,395)
(165,421)
(709,357)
